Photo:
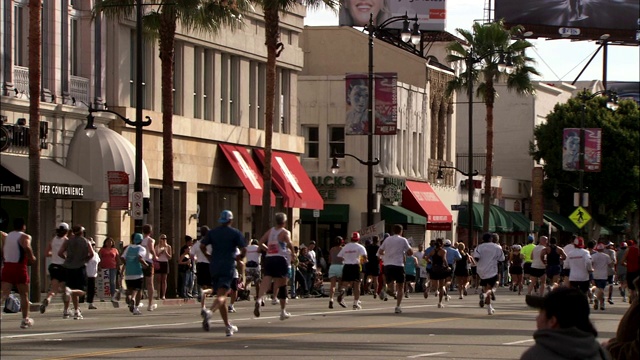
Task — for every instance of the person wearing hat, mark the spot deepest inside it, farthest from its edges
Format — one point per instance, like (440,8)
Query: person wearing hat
(225,240)
(578,262)
(56,271)
(600,262)
(564,330)
(134,257)
(621,271)
(487,256)
(76,252)
(393,251)
(351,255)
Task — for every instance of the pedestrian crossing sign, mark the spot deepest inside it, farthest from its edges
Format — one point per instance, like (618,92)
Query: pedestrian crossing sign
(580,217)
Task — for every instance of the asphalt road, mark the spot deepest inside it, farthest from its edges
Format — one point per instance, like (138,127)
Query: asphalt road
(461,330)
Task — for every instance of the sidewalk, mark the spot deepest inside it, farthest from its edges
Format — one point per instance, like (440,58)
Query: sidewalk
(57,305)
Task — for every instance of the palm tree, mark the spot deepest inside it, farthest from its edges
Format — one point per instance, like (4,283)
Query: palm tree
(35,59)
(272,10)
(207,16)
(488,46)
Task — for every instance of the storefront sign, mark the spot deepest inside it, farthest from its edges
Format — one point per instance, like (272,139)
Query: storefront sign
(333,181)
(370,231)
(118,190)
(62,191)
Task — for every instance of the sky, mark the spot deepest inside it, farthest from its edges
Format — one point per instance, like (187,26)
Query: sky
(555,59)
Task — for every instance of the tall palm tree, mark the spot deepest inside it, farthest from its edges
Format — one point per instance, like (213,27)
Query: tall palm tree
(207,16)
(488,46)
(272,10)
(35,60)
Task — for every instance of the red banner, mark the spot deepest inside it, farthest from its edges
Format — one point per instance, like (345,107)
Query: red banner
(118,190)
(386,103)
(592,149)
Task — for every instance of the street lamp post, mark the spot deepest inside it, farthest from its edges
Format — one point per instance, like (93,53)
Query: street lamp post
(470,175)
(335,167)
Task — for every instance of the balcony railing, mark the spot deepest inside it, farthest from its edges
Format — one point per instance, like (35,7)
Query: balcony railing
(21,79)
(79,89)
(479,162)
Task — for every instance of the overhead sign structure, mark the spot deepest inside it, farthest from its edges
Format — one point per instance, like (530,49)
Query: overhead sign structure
(580,217)
(431,13)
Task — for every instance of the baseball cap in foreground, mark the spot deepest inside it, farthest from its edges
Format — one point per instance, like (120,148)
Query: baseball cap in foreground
(136,238)
(447,242)
(568,305)
(355,236)
(225,217)
(63,226)
(579,242)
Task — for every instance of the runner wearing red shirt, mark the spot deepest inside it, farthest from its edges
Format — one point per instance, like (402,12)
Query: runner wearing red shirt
(631,260)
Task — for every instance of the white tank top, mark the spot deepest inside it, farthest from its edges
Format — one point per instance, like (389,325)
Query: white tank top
(145,243)
(56,243)
(276,247)
(12,250)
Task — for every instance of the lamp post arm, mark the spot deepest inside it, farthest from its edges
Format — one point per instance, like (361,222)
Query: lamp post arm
(474,173)
(126,120)
(375,161)
(394,19)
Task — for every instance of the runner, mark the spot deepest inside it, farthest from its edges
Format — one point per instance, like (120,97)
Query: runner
(527,251)
(275,243)
(462,270)
(76,252)
(233,291)
(452,256)
(335,268)
(601,262)
(149,244)
(410,271)
(372,267)
(16,254)
(427,286)
(538,268)
(56,271)
(487,256)
(552,257)
(631,260)
(422,269)
(611,270)
(253,266)
(134,257)
(393,250)
(224,241)
(440,270)
(516,271)
(621,271)
(202,268)
(351,255)
(579,263)
(567,249)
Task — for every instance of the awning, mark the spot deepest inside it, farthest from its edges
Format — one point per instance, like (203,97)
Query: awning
(520,222)
(293,182)
(332,213)
(106,151)
(398,215)
(604,231)
(55,180)
(420,197)
(503,221)
(561,222)
(247,171)
(478,216)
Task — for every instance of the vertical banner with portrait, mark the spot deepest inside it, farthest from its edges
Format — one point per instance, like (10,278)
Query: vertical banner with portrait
(386,103)
(118,190)
(592,149)
(571,149)
(357,99)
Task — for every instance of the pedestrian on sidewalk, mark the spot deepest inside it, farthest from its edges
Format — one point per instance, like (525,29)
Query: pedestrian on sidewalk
(110,261)
(56,270)
(17,254)
(164,252)
(76,252)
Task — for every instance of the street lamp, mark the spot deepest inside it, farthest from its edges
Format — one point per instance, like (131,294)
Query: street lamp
(440,175)
(405,35)
(90,130)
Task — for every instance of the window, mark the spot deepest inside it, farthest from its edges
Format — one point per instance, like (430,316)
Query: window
(147,71)
(208,97)
(224,89)
(20,32)
(74,47)
(262,87)
(234,91)
(336,141)
(253,92)
(198,54)
(311,142)
(178,78)
(284,109)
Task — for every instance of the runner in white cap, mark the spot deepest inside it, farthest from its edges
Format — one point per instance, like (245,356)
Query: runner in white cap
(352,255)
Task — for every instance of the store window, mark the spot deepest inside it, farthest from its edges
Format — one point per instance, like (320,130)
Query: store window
(311,142)
(336,141)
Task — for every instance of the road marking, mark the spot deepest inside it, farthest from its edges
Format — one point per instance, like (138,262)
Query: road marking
(426,355)
(518,342)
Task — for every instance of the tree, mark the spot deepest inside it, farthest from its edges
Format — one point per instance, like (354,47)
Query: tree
(614,192)
(488,47)
(35,60)
(274,47)
(161,21)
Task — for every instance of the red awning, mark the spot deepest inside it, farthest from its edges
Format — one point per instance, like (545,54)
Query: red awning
(293,182)
(247,171)
(420,198)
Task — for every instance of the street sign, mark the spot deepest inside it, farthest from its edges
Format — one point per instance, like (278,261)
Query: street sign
(136,206)
(580,217)
(316,213)
(458,207)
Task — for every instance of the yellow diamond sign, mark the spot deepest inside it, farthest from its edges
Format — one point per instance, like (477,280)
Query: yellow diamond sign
(580,217)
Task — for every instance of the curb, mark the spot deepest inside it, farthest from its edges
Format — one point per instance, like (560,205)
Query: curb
(57,304)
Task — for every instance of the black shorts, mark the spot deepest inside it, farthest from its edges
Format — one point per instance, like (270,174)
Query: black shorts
(535,272)
(566,272)
(527,268)
(461,272)
(553,270)
(135,284)
(351,272)
(489,282)
(394,273)
(409,278)
(163,267)
(204,274)
(474,270)
(583,286)
(221,281)
(631,277)
(56,272)
(76,278)
(276,267)
(610,279)
(148,271)
(372,269)
(234,284)
(516,270)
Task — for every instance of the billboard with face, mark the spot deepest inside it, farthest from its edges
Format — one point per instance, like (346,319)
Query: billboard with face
(574,19)
(430,13)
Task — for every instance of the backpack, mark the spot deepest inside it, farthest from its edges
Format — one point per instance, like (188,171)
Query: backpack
(12,304)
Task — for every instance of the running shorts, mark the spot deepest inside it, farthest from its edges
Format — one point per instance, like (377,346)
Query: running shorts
(335,271)
(221,281)
(610,279)
(621,277)
(409,278)
(372,269)
(474,270)
(204,274)
(148,271)
(516,270)
(234,284)
(535,272)
(489,282)
(76,278)
(15,273)
(601,283)
(583,286)
(631,277)
(527,268)
(394,273)
(134,284)
(566,272)
(56,272)
(553,270)
(350,272)
(276,267)
(252,274)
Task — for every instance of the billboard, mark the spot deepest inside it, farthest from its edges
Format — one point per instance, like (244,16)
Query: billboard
(574,19)
(592,149)
(385,104)
(431,13)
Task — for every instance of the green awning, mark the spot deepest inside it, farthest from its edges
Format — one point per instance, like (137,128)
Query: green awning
(332,213)
(521,223)
(604,231)
(561,222)
(398,215)
(503,221)
(478,210)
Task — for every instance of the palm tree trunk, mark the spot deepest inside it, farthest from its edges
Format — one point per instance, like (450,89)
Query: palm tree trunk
(489,100)
(166,47)
(271,18)
(35,41)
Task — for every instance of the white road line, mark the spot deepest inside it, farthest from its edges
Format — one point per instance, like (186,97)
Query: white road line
(518,342)
(426,355)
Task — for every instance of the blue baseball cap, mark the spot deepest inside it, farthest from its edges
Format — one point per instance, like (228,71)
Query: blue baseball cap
(225,217)
(136,238)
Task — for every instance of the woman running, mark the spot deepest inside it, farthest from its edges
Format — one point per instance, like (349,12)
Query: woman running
(56,271)
(462,270)
(439,271)
(516,260)
(554,254)
(410,266)
(335,268)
